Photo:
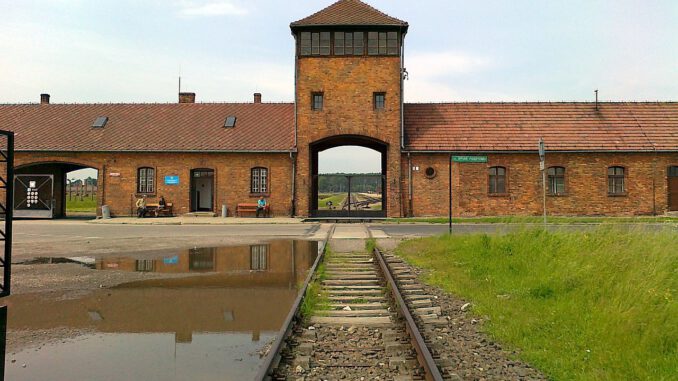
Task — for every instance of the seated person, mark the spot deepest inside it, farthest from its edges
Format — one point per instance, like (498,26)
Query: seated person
(141,207)
(162,203)
(261,206)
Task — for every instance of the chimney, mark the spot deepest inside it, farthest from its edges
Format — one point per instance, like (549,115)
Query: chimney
(44,99)
(257,97)
(186,97)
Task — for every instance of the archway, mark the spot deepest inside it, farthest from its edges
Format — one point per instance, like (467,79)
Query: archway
(342,188)
(55,190)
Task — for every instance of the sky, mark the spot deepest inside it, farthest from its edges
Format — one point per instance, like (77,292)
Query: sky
(84,51)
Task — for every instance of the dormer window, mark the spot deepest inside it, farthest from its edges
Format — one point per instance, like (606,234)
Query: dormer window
(100,122)
(230,122)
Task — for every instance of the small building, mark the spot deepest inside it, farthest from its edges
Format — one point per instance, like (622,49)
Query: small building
(607,158)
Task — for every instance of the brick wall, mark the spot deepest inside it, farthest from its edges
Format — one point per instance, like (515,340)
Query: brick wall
(646,183)
(348,85)
(118,177)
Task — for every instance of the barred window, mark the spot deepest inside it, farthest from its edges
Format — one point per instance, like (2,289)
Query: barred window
(615,180)
(145,180)
(556,180)
(317,101)
(379,101)
(497,180)
(259,180)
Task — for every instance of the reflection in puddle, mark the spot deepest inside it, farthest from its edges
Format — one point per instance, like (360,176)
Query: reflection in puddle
(207,326)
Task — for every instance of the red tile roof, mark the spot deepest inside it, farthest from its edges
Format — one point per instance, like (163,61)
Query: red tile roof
(349,12)
(150,127)
(642,126)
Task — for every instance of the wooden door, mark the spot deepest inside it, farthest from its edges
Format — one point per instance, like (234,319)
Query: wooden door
(673,188)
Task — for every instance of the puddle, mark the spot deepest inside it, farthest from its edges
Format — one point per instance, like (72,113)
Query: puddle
(209,324)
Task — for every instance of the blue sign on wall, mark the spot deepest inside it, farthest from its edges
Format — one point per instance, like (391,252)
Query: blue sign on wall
(171,180)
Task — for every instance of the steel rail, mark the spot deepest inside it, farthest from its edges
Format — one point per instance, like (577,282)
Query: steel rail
(273,358)
(423,354)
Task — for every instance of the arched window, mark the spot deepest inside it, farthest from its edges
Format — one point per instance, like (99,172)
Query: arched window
(146,180)
(497,180)
(259,180)
(556,180)
(615,180)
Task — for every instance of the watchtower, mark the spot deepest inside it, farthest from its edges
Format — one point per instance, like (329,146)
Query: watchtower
(348,91)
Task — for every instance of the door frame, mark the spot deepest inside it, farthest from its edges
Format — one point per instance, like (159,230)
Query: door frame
(669,177)
(194,201)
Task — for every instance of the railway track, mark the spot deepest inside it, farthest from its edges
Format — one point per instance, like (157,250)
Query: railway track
(373,325)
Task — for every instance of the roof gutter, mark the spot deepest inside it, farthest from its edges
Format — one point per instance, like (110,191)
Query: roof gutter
(533,151)
(158,151)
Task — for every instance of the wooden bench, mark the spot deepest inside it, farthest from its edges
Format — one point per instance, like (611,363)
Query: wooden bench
(156,211)
(251,208)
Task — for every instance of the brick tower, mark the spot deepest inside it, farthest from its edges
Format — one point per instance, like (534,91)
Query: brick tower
(348,91)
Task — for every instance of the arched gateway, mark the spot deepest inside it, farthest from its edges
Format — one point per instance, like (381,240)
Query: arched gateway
(349,195)
(348,92)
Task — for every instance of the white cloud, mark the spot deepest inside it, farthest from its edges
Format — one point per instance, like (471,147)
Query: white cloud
(210,8)
(431,76)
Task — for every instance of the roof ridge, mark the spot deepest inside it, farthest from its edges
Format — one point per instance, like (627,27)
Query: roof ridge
(141,103)
(306,21)
(539,102)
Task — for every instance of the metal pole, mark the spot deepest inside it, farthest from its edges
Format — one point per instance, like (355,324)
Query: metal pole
(449,166)
(543,177)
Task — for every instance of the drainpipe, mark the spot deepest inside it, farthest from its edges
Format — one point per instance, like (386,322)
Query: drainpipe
(409,182)
(402,93)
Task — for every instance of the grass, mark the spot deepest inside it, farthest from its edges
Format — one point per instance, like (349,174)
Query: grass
(76,205)
(336,198)
(539,220)
(315,299)
(599,305)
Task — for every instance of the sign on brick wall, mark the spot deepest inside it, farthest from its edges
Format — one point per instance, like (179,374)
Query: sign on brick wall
(469,159)
(171,180)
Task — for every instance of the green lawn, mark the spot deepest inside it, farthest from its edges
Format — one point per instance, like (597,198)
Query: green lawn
(539,220)
(86,205)
(599,305)
(336,198)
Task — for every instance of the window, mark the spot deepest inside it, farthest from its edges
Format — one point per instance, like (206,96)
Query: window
(145,180)
(230,122)
(201,259)
(615,180)
(317,101)
(497,180)
(556,179)
(379,101)
(259,182)
(144,265)
(315,43)
(382,43)
(259,257)
(430,172)
(100,122)
(673,171)
(348,43)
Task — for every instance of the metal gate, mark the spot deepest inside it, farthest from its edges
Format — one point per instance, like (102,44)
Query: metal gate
(356,196)
(34,196)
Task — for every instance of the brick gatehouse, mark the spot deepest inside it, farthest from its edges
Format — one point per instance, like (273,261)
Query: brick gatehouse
(608,158)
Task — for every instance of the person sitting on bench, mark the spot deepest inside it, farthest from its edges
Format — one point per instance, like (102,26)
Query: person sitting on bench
(162,204)
(261,206)
(141,207)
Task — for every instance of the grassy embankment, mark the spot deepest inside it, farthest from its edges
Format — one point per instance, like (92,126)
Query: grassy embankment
(539,220)
(599,305)
(76,205)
